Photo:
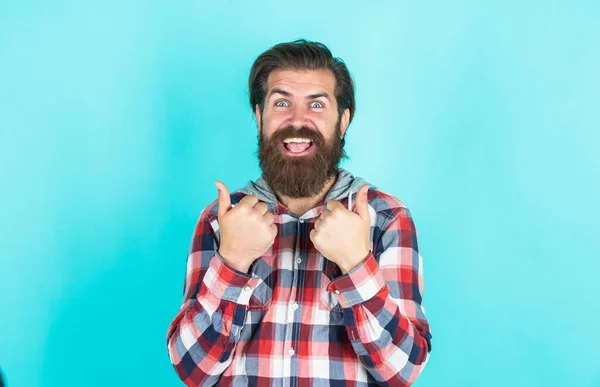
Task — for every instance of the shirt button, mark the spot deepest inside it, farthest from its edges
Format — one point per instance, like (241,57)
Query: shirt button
(337,291)
(299,260)
(295,305)
(291,352)
(247,288)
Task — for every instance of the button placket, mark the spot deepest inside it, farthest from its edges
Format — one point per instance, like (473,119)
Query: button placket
(299,254)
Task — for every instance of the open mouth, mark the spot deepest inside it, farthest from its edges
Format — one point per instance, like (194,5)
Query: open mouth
(297,147)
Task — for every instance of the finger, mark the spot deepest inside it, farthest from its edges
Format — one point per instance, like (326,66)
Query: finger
(248,201)
(269,218)
(313,235)
(224,198)
(261,207)
(318,224)
(362,203)
(325,214)
(333,205)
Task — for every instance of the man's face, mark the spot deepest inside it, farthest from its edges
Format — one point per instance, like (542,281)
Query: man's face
(300,132)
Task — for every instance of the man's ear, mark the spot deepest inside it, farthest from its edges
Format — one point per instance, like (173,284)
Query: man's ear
(345,121)
(258,117)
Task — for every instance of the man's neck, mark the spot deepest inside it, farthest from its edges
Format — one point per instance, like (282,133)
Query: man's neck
(300,205)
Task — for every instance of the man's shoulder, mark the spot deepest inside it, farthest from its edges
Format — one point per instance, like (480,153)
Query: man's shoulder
(389,209)
(381,200)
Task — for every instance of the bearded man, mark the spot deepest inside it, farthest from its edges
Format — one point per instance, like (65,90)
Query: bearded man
(308,276)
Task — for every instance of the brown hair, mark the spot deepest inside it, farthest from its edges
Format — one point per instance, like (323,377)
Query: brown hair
(301,54)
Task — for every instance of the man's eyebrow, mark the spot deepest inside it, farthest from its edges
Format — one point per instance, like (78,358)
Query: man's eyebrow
(279,91)
(288,94)
(313,96)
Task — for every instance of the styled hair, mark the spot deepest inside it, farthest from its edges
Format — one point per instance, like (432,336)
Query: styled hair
(301,54)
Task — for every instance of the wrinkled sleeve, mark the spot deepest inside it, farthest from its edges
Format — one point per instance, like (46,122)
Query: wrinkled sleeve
(203,335)
(383,307)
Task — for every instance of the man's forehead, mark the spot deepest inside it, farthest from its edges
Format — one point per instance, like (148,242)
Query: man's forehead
(302,81)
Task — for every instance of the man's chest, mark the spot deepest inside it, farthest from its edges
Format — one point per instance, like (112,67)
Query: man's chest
(294,274)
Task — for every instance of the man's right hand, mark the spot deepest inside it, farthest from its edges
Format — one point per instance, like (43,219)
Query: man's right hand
(247,230)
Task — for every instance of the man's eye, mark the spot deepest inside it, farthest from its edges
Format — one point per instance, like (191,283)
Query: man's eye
(316,104)
(281,103)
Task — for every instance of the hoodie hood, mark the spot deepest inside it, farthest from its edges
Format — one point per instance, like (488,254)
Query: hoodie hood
(345,183)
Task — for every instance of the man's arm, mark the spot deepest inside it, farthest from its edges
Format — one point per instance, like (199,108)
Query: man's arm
(382,301)
(205,331)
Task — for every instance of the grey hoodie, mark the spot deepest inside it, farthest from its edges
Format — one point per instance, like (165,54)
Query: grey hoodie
(345,183)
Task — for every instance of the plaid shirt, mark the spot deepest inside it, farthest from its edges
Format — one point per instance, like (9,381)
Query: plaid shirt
(295,320)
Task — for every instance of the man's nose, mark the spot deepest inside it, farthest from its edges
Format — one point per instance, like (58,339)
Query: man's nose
(299,117)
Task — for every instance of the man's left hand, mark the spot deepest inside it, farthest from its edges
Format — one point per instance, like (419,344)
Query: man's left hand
(341,235)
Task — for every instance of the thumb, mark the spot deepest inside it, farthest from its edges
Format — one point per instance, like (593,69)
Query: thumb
(362,206)
(224,198)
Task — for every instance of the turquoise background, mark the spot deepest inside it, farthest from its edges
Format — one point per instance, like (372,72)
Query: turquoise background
(117,117)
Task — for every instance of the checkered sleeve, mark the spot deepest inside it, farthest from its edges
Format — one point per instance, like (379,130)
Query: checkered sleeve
(203,335)
(382,301)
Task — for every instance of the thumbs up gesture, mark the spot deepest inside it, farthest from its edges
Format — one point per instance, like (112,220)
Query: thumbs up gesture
(247,230)
(341,235)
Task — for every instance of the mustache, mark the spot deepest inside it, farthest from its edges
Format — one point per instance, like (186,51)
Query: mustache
(304,132)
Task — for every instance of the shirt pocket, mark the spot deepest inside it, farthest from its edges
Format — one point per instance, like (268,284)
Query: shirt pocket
(261,297)
(262,294)
(328,300)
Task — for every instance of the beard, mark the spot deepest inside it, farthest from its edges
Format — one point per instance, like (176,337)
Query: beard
(300,176)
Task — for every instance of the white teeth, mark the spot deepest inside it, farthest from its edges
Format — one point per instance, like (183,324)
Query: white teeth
(295,139)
